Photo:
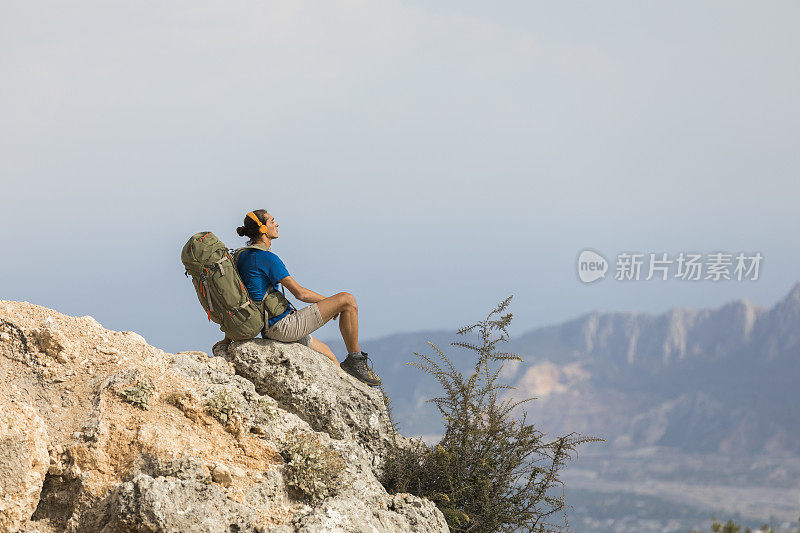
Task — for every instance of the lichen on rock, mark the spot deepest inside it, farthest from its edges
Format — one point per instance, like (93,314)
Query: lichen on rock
(222,406)
(311,468)
(138,393)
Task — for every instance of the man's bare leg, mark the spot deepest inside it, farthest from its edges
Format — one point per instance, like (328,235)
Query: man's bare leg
(324,349)
(344,305)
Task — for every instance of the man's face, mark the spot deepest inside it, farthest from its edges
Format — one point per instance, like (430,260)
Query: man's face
(272,227)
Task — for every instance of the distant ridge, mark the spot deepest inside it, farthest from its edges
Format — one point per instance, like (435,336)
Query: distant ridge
(720,380)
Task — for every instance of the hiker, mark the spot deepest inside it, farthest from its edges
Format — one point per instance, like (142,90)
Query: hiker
(262,270)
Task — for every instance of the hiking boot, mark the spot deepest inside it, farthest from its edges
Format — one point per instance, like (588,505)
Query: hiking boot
(356,365)
(220,349)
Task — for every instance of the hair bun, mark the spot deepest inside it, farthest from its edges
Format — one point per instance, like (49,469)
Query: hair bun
(241,231)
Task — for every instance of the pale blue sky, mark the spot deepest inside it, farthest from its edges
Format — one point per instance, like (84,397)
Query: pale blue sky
(429,157)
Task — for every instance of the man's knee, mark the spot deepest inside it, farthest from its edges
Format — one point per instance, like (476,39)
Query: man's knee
(348,301)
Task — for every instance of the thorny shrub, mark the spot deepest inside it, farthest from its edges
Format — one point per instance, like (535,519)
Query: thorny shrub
(491,471)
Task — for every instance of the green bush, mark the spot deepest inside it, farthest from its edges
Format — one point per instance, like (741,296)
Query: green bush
(139,393)
(222,406)
(732,527)
(311,468)
(491,471)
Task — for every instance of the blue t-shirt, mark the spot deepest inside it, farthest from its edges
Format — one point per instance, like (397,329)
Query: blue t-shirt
(260,269)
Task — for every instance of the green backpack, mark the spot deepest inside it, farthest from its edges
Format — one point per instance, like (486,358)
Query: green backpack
(219,287)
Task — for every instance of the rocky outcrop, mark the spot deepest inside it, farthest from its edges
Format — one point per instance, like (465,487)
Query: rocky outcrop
(402,512)
(23,462)
(101,432)
(172,504)
(313,388)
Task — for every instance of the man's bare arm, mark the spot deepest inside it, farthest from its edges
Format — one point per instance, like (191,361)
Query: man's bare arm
(300,292)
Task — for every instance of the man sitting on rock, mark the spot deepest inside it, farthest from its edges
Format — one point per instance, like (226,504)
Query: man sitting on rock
(261,270)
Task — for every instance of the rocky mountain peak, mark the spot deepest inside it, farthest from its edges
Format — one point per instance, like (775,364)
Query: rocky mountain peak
(791,302)
(102,432)
(638,365)
(794,293)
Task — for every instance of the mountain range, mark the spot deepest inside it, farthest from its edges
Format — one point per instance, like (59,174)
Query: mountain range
(721,380)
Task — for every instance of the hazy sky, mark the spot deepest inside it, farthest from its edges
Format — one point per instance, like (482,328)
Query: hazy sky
(429,157)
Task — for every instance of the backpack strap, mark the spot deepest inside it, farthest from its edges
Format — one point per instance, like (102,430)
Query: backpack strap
(235,253)
(235,259)
(218,264)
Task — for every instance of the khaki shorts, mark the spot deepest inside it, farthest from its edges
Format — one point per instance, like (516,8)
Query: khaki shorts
(296,326)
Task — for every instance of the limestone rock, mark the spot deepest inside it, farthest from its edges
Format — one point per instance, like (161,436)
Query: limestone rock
(91,322)
(222,475)
(307,384)
(421,514)
(399,513)
(133,336)
(52,340)
(24,461)
(207,454)
(162,504)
